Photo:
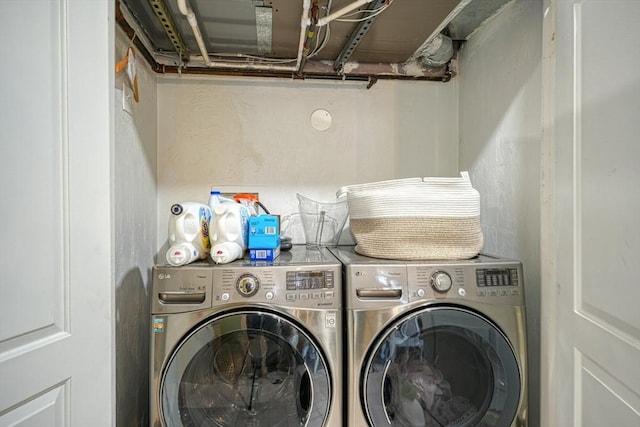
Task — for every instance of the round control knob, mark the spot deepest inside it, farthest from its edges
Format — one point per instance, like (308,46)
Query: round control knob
(247,285)
(421,292)
(269,295)
(441,281)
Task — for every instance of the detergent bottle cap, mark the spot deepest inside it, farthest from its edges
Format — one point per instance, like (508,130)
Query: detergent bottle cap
(226,252)
(221,208)
(181,254)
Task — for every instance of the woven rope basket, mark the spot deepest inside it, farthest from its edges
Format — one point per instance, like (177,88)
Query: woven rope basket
(416,219)
(418,238)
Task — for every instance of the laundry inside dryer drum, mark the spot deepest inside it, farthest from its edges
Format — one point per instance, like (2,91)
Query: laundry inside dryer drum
(442,367)
(246,369)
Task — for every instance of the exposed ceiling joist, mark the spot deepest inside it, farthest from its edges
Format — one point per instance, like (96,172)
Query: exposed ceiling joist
(341,39)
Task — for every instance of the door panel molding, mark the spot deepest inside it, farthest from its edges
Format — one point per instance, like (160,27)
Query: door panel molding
(44,409)
(589,300)
(593,247)
(39,214)
(590,370)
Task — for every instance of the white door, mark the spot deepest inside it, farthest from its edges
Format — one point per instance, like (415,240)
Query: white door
(595,373)
(56,292)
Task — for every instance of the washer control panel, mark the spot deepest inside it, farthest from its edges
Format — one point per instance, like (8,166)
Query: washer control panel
(307,280)
(299,287)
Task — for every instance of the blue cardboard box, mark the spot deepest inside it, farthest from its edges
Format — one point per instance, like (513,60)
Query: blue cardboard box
(268,254)
(264,232)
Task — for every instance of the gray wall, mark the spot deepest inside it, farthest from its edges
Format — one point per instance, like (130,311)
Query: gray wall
(135,225)
(500,142)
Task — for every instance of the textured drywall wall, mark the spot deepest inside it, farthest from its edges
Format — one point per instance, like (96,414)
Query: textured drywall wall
(256,135)
(500,142)
(135,224)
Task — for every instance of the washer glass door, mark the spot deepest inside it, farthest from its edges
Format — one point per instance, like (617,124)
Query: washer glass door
(250,368)
(441,366)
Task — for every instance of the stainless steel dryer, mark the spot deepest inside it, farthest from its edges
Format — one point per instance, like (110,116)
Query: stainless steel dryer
(434,343)
(248,345)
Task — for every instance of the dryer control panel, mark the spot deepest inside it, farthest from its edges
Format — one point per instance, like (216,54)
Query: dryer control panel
(468,281)
(489,277)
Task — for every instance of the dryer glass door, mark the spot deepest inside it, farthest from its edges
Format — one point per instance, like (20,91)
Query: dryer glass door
(249,368)
(441,366)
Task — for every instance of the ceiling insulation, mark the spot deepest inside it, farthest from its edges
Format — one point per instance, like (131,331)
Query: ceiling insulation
(363,39)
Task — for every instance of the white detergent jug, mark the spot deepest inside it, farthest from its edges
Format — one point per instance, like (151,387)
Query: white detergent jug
(229,229)
(188,233)
(215,198)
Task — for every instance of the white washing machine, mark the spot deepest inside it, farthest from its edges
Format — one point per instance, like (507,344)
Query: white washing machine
(248,344)
(434,343)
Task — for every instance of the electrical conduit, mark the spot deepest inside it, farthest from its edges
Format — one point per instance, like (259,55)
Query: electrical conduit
(338,13)
(305,21)
(184,8)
